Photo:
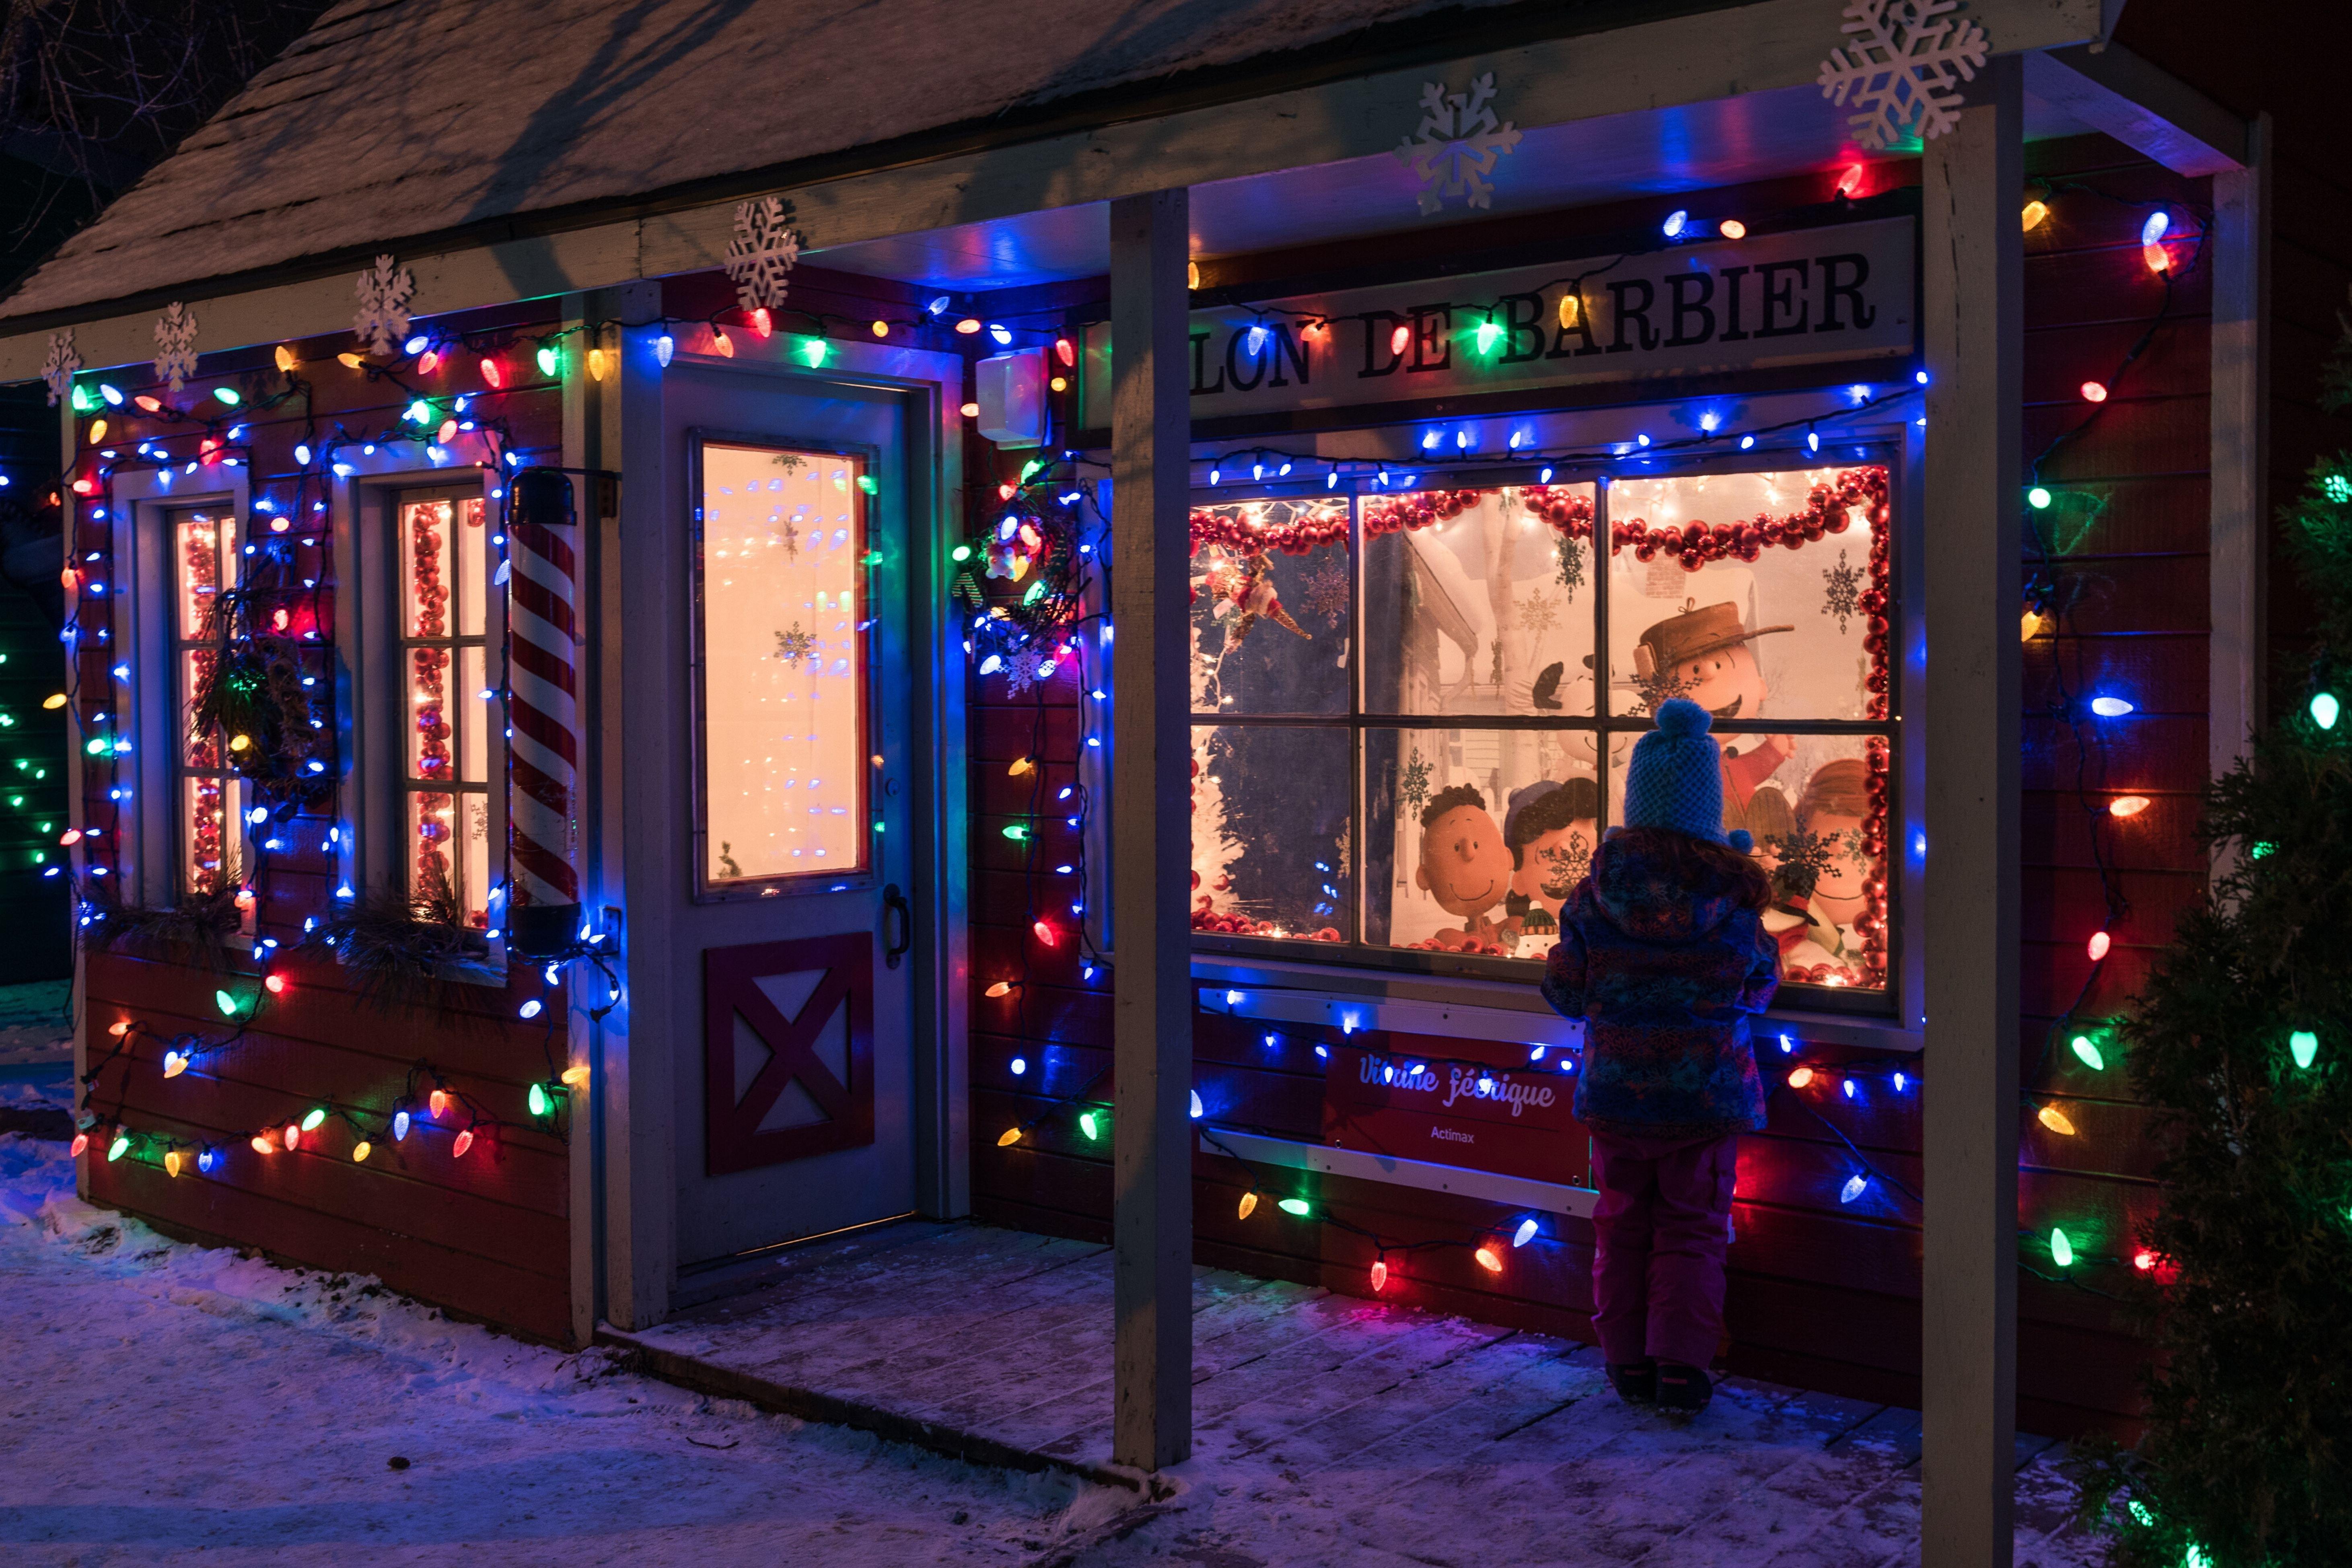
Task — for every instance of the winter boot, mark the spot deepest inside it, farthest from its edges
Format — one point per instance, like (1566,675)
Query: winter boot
(1636,1382)
(1683,1388)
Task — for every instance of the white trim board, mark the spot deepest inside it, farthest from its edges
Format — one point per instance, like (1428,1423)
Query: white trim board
(1512,1192)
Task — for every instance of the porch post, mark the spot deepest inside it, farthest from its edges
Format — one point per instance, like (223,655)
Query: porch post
(1971,281)
(1151,1016)
(2241,456)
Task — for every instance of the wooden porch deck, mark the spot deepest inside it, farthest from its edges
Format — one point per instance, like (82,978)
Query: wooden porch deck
(1326,1427)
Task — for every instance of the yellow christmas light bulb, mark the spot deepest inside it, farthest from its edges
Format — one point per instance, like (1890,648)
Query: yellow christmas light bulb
(881,329)
(239,743)
(2033,213)
(171,1162)
(54,700)
(361,1151)
(1012,1136)
(575,1078)
(97,431)
(1570,306)
(1001,988)
(1488,1259)
(349,362)
(1802,1076)
(1249,1202)
(1191,275)
(595,364)
(1021,765)
(2056,1120)
(285,358)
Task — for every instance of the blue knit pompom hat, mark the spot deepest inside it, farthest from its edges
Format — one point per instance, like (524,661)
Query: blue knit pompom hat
(1676,778)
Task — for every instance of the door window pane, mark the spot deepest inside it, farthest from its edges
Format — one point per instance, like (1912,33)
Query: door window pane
(782,650)
(204,567)
(1479,601)
(445,666)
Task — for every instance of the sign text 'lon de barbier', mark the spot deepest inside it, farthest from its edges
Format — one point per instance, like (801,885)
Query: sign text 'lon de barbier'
(1808,296)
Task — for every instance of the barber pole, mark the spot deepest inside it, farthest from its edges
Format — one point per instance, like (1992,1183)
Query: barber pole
(544,749)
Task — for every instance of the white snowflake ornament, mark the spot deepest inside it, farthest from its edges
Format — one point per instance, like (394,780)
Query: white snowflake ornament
(385,291)
(761,254)
(58,369)
(1459,141)
(175,345)
(1901,68)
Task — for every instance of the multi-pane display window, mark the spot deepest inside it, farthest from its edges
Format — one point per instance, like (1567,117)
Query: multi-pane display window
(447,853)
(204,567)
(1440,782)
(781,654)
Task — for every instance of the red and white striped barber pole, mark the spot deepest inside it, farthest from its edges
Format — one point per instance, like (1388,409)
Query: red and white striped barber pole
(543,751)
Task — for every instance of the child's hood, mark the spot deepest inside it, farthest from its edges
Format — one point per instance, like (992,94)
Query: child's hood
(1654,889)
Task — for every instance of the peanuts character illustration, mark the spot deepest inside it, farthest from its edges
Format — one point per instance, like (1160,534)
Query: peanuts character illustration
(1551,830)
(1702,653)
(1465,866)
(1819,887)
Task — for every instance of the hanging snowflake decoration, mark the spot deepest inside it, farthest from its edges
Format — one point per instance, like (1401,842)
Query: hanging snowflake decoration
(175,345)
(385,291)
(1027,668)
(761,255)
(795,645)
(1326,593)
(1413,788)
(58,369)
(1459,139)
(1845,596)
(1901,68)
(1538,614)
(1571,566)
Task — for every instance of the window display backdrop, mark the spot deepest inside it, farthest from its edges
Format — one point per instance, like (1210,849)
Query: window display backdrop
(1441,783)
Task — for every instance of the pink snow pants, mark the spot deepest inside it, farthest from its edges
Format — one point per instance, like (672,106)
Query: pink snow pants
(1659,1231)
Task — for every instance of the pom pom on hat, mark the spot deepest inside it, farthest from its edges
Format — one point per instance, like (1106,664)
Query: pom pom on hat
(1742,840)
(1679,716)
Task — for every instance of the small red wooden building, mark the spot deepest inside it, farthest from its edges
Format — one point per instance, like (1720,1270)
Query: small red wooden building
(668,658)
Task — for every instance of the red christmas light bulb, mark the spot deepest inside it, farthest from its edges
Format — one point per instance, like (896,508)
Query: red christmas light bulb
(1065,351)
(494,373)
(762,323)
(2094,392)
(1399,340)
(81,1142)
(1380,1274)
(2099,944)
(275,984)
(1046,934)
(2143,1260)
(465,1141)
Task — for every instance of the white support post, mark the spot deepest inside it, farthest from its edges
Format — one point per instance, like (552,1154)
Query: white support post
(1151,1017)
(1972,281)
(2241,456)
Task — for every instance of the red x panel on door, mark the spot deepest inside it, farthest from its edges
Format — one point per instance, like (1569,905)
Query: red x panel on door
(789,1049)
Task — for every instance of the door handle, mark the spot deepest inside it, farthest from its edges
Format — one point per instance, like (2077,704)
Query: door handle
(894,902)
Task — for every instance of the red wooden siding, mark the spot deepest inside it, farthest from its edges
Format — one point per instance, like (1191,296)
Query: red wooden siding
(488,1234)
(1822,1295)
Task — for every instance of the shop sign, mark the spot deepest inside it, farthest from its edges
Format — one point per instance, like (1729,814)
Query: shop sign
(1511,1117)
(1808,296)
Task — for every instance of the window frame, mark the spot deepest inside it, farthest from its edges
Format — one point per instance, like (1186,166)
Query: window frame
(369,711)
(868,874)
(1895,1002)
(407,785)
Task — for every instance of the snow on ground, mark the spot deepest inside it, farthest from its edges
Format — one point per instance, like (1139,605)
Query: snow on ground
(161,1403)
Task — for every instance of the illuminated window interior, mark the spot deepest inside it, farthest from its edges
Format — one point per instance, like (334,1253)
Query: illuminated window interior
(204,564)
(781,650)
(445,718)
(1443,785)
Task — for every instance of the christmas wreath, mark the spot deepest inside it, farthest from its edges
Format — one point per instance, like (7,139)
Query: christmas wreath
(250,709)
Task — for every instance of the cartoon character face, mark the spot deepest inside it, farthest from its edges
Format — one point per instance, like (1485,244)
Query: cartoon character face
(1553,862)
(1727,682)
(1464,864)
(1838,895)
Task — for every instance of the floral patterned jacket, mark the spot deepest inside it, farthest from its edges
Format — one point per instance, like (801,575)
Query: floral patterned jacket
(1665,977)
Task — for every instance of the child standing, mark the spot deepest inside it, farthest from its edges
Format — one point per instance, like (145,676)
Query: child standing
(1664,956)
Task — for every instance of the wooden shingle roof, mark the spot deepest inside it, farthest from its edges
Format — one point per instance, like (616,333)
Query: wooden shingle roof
(407,124)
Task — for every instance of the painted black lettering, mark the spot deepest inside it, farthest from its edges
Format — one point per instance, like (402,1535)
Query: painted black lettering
(1295,350)
(1689,292)
(1200,367)
(1780,298)
(1433,329)
(1731,333)
(1622,291)
(1832,292)
(1521,314)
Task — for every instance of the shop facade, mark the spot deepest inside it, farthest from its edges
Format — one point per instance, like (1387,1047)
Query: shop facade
(1064,679)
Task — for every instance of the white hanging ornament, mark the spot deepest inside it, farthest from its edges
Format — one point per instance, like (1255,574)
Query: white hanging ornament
(1901,68)
(175,345)
(1460,139)
(385,291)
(58,369)
(761,254)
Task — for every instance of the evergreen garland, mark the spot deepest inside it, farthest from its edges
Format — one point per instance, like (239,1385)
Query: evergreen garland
(2241,1047)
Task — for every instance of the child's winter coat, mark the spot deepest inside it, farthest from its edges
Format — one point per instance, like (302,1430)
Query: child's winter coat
(1664,976)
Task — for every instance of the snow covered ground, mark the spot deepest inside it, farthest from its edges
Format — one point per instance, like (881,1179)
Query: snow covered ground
(165,1403)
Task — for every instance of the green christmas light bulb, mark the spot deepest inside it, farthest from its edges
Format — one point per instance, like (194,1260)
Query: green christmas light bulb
(549,360)
(1017,831)
(226,1003)
(2261,849)
(961,552)
(2089,1052)
(1489,333)
(2062,1251)
(1090,1126)
(813,351)
(2337,488)
(2325,708)
(2038,499)
(311,1122)
(539,1100)
(2305,1047)
(114,1150)
(1295,1205)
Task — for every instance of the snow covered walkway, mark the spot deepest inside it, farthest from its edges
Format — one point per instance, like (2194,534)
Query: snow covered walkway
(162,1403)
